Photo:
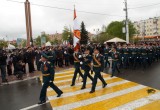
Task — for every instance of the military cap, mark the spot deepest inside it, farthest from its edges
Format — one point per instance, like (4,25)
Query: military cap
(44,55)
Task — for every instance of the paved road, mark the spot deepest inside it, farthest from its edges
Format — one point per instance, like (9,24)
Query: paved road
(24,94)
(20,95)
(149,77)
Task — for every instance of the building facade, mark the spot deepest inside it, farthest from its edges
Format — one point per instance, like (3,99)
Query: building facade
(148,28)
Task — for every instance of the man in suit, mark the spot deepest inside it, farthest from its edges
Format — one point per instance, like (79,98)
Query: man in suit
(97,64)
(48,78)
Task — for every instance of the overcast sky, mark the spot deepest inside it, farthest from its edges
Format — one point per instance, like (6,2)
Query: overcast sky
(50,20)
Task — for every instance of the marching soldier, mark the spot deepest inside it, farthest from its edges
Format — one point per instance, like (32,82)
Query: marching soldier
(126,56)
(87,58)
(115,59)
(134,56)
(77,57)
(97,63)
(106,55)
(144,55)
(48,78)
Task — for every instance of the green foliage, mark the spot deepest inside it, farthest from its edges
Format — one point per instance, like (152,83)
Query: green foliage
(38,39)
(66,33)
(84,34)
(55,41)
(3,43)
(24,43)
(115,29)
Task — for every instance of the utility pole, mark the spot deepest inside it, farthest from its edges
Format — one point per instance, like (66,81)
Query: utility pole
(127,23)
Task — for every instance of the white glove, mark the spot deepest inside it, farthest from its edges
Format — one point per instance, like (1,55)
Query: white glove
(50,81)
(80,56)
(81,63)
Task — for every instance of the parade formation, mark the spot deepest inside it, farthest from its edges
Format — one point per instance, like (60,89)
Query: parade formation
(92,59)
(78,68)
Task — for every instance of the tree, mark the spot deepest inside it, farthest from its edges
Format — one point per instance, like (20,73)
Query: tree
(114,29)
(38,39)
(84,34)
(3,43)
(65,34)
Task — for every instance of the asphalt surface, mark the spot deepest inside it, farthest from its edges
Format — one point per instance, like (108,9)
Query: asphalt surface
(26,93)
(148,77)
(20,95)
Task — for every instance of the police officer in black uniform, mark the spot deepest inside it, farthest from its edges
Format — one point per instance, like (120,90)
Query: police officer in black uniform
(48,78)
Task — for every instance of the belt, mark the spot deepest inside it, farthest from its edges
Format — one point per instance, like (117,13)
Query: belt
(45,74)
(76,61)
(125,53)
(106,53)
(115,59)
(96,65)
(144,54)
(133,53)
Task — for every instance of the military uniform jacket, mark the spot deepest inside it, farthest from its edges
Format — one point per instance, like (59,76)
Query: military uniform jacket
(134,52)
(87,62)
(47,71)
(76,59)
(106,53)
(115,57)
(98,63)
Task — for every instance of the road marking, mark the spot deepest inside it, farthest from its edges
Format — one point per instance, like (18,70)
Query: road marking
(86,90)
(77,84)
(97,99)
(33,106)
(139,103)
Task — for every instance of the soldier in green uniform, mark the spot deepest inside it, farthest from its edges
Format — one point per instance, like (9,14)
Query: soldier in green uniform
(77,57)
(87,58)
(97,64)
(48,78)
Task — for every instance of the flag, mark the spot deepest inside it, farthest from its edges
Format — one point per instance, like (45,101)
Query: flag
(77,34)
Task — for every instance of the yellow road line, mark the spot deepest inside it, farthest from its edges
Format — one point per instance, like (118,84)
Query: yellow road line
(75,88)
(84,96)
(116,101)
(152,106)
